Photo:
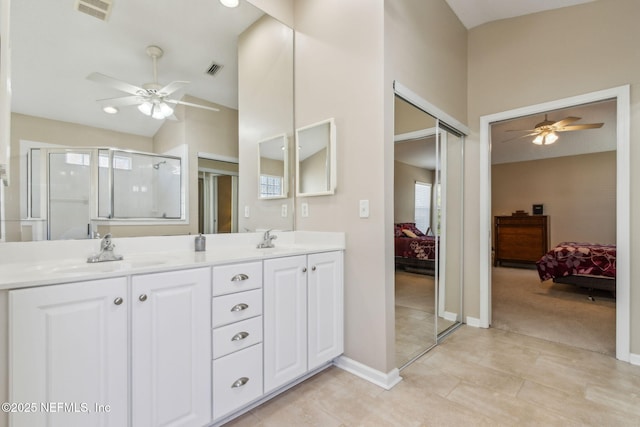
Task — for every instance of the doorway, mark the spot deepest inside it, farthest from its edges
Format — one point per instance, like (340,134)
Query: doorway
(217,196)
(621,97)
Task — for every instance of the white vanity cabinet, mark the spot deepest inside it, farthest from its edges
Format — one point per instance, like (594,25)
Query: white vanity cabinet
(303,315)
(237,336)
(171,348)
(68,345)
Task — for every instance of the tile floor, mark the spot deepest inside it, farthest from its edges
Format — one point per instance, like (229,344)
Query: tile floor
(475,377)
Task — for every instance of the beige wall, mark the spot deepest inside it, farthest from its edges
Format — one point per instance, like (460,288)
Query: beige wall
(599,51)
(313,173)
(405,177)
(578,194)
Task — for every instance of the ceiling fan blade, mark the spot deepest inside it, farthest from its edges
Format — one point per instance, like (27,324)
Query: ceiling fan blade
(190,104)
(565,121)
(580,127)
(172,87)
(123,101)
(116,84)
(519,130)
(519,137)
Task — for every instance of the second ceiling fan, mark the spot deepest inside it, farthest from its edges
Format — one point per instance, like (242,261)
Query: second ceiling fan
(152,99)
(545,131)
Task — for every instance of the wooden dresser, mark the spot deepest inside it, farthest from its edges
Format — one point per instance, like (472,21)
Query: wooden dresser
(520,238)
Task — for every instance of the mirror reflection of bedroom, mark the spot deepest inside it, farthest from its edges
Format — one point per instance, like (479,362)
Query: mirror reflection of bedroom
(553,196)
(427,217)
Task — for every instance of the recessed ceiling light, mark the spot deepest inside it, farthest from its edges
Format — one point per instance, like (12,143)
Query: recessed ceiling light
(110,110)
(230,3)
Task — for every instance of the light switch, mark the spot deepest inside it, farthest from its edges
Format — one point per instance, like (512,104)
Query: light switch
(304,208)
(246,211)
(283,212)
(364,209)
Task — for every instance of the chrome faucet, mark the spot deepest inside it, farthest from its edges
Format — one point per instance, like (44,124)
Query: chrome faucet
(106,251)
(267,240)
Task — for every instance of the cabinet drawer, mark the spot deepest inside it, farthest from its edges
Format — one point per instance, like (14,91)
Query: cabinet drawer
(237,277)
(236,336)
(237,380)
(231,308)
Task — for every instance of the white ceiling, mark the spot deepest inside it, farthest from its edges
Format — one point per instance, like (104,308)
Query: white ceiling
(477,12)
(55,47)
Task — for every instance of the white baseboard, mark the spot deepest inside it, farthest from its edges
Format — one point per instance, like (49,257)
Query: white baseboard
(386,381)
(634,359)
(473,321)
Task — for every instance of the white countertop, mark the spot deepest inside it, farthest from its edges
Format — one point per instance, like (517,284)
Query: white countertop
(45,263)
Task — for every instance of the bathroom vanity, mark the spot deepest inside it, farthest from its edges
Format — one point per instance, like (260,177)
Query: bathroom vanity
(171,336)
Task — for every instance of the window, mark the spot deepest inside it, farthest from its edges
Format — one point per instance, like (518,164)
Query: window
(423,206)
(270,186)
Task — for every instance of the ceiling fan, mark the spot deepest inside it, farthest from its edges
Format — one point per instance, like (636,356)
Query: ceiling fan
(152,98)
(545,131)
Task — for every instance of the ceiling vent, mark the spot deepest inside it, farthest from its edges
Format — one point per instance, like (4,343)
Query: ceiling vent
(213,69)
(100,9)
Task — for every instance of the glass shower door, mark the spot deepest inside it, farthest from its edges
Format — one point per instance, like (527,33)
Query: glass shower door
(69,194)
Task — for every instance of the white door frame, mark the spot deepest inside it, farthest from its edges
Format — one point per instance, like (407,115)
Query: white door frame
(623,204)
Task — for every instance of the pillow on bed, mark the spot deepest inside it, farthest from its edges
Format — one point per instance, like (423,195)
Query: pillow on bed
(411,226)
(409,233)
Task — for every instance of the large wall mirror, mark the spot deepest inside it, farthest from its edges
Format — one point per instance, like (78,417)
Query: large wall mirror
(67,66)
(428,216)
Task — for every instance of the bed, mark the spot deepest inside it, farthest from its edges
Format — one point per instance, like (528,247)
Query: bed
(414,251)
(587,265)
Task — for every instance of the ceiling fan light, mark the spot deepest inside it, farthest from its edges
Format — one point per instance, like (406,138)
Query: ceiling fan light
(550,138)
(538,139)
(146,108)
(230,3)
(157,113)
(165,109)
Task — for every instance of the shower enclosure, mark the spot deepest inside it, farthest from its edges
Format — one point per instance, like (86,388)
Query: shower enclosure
(69,189)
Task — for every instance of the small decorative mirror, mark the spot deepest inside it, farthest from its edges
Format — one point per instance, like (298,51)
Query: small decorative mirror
(273,168)
(316,159)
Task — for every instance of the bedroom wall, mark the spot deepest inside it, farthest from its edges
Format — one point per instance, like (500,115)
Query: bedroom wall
(578,194)
(593,47)
(404,196)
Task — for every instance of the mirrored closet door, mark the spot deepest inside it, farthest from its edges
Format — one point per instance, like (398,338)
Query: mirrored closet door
(428,231)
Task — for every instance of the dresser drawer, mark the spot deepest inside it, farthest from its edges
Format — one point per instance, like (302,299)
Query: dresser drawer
(236,336)
(237,380)
(231,308)
(237,277)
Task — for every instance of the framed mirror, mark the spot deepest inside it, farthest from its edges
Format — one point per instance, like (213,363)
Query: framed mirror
(316,159)
(273,168)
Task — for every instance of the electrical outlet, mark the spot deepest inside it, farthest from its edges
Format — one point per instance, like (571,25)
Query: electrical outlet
(304,208)
(246,212)
(283,212)
(364,209)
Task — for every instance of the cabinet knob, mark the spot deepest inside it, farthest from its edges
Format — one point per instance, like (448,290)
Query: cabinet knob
(313,268)
(239,307)
(143,297)
(240,336)
(118,301)
(240,382)
(239,277)
(304,269)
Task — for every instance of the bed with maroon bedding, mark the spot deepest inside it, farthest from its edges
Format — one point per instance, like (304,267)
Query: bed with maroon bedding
(587,265)
(413,249)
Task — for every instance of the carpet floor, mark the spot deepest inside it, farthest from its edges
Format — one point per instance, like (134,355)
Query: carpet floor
(552,311)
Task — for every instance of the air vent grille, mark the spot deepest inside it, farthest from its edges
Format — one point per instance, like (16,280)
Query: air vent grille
(100,9)
(213,69)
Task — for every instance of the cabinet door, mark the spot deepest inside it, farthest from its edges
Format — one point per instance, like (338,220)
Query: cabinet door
(285,320)
(325,305)
(171,348)
(68,354)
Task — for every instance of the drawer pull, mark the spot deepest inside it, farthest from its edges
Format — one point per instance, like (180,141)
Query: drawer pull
(240,382)
(239,277)
(240,336)
(118,301)
(239,307)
